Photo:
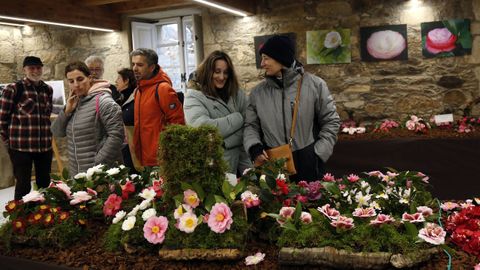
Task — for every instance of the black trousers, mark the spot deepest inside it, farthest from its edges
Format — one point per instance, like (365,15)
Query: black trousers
(308,165)
(22,169)
(127,159)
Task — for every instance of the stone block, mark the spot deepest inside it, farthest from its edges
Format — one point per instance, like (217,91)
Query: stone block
(8,52)
(475,57)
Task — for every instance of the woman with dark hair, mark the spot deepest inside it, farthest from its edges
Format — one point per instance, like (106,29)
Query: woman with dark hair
(126,84)
(91,121)
(214,99)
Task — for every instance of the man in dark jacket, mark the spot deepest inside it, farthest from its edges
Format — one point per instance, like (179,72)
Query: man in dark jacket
(25,108)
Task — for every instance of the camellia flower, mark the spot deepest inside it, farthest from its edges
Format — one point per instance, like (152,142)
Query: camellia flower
(48,219)
(112,205)
(332,40)
(281,177)
(91,192)
(129,223)
(12,205)
(220,218)
(423,176)
(378,174)
(263,177)
(144,204)
(79,197)
(306,218)
(467,204)
(440,40)
(328,177)
(250,199)
(95,169)
(63,216)
(157,187)
(151,212)
(329,212)
(382,219)
(187,222)
(119,216)
(113,171)
(449,206)
(182,209)
(362,200)
(80,175)
(19,225)
(148,194)
(343,222)
(476,267)
(285,214)
(33,196)
(352,178)
(386,44)
(134,211)
(364,212)
(314,189)
(413,218)
(282,186)
(128,188)
(425,210)
(63,187)
(433,234)
(154,229)
(255,259)
(190,197)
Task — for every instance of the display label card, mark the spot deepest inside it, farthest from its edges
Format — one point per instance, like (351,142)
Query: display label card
(443,118)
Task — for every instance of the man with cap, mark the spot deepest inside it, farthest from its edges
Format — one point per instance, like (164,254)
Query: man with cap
(271,106)
(25,108)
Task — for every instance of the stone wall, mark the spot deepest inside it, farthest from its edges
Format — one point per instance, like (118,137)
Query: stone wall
(373,91)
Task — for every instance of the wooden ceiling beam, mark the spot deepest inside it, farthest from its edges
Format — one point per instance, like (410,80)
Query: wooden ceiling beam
(141,6)
(102,2)
(62,11)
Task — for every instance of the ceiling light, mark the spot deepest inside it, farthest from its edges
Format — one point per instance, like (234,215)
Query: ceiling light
(12,24)
(233,11)
(54,23)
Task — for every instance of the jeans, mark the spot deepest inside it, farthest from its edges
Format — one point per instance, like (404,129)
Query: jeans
(22,169)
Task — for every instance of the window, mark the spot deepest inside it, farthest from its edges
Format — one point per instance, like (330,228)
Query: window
(175,42)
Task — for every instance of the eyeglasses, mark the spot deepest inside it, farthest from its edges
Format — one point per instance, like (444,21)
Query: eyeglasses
(96,69)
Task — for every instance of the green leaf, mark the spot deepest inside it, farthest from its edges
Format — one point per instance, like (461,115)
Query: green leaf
(65,174)
(186,186)
(289,226)
(220,199)
(178,199)
(411,229)
(55,177)
(298,212)
(199,190)
(331,187)
(226,188)
(240,187)
(209,202)
(272,183)
(316,215)
(275,216)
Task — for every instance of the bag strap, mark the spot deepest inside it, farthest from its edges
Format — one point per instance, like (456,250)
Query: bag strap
(295,109)
(157,96)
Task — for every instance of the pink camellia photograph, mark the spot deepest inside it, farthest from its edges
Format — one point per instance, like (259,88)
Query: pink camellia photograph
(383,43)
(446,38)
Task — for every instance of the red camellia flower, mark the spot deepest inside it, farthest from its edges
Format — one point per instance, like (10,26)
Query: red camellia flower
(112,205)
(63,216)
(282,186)
(44,208)
(12,205)
(48,219)
(157,187)
(440,40)
(37,217)
(19,225)
(128,188)
(82,222)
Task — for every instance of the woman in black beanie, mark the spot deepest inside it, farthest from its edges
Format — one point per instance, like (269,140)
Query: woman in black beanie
(271,107)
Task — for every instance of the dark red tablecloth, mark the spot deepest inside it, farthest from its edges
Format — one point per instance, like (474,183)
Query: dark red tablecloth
(452,164)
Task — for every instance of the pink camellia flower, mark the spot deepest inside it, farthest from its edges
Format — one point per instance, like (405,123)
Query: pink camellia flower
(330,213)
(220,218)
(33,196)
(413,218)
(467,204)
(154,229)
(328,177)
(250,199)
(382,219)
(91,192)
(352,178)
(476,267)
(378,174)
(306,218)
(314,189)
(425,210)
(190,197)
(433,234)
(449,206)
(386,44)
(80,196)
(440,40)
(343,222)
(112,205)
(285,214)
(62,187)
(157,187)
(364,212)
(301,198)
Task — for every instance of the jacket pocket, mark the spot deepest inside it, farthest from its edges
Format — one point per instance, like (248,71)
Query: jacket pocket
(27,107)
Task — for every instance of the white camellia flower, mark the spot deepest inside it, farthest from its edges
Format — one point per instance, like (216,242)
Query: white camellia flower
(80,175)
(122,166)
(263,178)
(129,223)
(118,216)
(144,204)
(332,40)
(134,211)
(113,171)
(148,194)
(151,212)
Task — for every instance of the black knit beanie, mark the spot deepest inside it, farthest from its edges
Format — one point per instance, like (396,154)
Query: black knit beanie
(281,49)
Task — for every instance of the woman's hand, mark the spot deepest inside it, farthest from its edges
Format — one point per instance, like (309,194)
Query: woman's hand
(260,159)
(72,103)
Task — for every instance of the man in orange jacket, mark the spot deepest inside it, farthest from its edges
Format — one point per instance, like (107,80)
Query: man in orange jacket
(156,105)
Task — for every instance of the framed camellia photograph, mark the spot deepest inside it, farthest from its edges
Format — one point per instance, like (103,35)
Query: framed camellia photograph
(329,46)
(383,43)
(258,42)
(446,38)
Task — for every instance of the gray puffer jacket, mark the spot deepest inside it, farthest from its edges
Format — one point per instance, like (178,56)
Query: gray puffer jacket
(200,110)
(264,114)
(93,137)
